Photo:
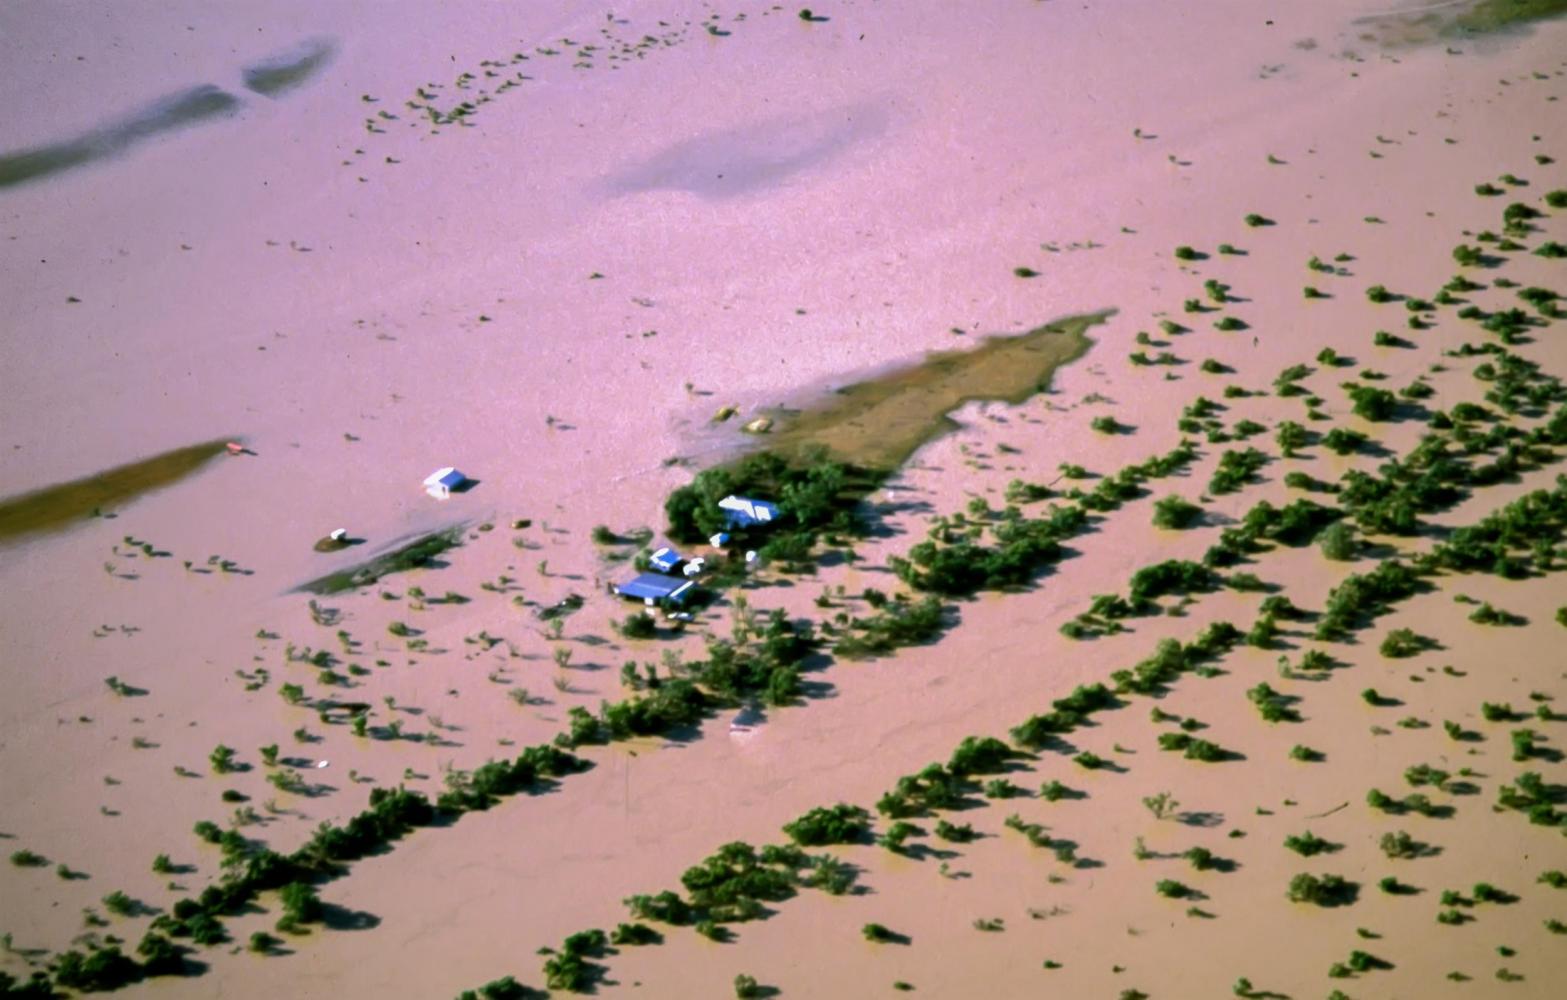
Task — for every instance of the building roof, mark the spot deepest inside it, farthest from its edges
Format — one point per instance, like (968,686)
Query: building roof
(745,510)
(655,586)
(665,559)
(447,477)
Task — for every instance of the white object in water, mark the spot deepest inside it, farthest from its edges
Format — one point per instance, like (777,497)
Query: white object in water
(339,534)
(750,557)
(322,763)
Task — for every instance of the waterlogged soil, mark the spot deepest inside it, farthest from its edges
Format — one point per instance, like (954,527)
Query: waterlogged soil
(57,507)
(416,554)
(1423,24)
(878,423)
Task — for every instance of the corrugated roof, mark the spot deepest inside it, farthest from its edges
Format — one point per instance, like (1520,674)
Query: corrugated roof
(654,585)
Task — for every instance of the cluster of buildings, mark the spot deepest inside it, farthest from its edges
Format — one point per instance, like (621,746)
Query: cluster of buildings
(672,578)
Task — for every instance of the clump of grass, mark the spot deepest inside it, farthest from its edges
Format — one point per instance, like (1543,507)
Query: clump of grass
(1254,220)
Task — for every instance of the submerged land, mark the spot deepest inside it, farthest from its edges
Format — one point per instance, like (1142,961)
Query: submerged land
(1165,404)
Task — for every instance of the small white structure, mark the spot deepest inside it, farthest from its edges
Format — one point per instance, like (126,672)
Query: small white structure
(441,482)
(339,535)
(743,512)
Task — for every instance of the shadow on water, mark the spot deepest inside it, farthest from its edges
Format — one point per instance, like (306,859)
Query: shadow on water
(282,72)
(56,507)
(166,114)
(737,161)
(270,77)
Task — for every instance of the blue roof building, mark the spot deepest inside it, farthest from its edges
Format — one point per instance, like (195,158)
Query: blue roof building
(665,560)
(441,482)
(653,588)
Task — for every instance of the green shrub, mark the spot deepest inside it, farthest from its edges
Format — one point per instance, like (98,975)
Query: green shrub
(897,833)
(878,933)
(1308,844)
(1403,642)
(639,625)
(1254,220)
(1187,253)
(839,824)
(1323,890)
(1379,294)
(1174,512)
(1055,791)
(956,833)
(634,934)
(1171,889)
(1401,845)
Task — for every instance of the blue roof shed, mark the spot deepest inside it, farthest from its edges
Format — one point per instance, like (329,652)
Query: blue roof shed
(665,560)
(656,587)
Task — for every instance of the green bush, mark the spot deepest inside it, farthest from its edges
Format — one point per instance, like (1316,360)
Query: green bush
(1308,844)
(639,625)
(956,833)
(839,824)
(1400,845)
(1174,512)
(1323,890)
(1403,642)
